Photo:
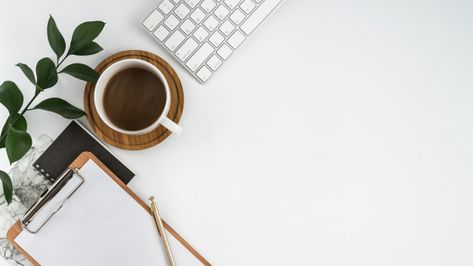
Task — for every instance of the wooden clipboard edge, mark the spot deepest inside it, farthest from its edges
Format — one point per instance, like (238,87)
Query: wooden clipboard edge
(12,233)
(16,229)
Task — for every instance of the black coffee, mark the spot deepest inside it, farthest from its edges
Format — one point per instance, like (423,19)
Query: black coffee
(134,98)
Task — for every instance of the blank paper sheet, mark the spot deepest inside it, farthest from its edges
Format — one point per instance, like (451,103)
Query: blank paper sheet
(101,225)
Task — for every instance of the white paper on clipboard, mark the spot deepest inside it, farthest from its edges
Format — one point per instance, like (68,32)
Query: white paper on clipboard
(101,224)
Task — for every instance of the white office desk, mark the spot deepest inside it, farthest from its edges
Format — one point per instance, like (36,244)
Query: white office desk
(340,134)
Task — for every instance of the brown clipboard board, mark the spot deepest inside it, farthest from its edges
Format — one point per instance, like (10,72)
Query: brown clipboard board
(16,229)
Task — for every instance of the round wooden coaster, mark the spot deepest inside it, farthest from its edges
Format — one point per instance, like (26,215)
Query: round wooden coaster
(135,142)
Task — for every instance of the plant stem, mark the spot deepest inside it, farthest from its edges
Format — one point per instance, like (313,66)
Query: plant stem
(58,64)
(29,103)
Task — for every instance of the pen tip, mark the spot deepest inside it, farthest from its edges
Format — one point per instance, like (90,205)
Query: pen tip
(151,198)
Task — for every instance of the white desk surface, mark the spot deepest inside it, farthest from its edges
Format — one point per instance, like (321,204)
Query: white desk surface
(340,134)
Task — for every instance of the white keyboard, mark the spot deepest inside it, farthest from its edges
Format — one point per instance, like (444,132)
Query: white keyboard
(202,34)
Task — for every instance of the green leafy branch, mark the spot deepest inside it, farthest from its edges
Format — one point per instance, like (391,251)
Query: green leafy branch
(14,136)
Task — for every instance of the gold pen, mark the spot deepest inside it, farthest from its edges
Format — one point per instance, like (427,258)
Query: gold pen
(162,232)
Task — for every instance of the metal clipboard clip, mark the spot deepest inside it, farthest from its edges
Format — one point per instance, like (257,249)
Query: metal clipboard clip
(51,200)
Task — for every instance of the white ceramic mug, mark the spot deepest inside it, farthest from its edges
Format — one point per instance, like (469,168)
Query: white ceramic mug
(122,65)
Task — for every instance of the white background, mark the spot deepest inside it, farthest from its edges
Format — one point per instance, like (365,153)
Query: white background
(340,134)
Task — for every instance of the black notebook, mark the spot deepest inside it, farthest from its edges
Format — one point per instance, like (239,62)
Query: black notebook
(71,142)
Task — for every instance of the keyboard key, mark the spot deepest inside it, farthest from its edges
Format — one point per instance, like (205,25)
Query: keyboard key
(204,73)
(221,12)
(200,56)
(161,33)
(236,39)
(187,27)
(192,3)
(259,15)
(247,6)
(166,6)
(227,27)
(214,62)
(237,16)
(211,23)
(198,15)
(225,51)
(216,39)
(176,1)
(232,3)
(182,11)
(153,20)
(186,49)
(208,5)
(171,22)
(200,34)
(173,42)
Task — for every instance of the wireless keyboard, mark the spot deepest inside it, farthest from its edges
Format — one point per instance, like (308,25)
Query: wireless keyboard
(202,34)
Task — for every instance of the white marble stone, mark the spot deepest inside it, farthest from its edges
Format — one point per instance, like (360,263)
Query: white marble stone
(27,184)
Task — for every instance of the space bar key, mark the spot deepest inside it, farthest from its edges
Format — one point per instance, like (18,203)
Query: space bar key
(259,15)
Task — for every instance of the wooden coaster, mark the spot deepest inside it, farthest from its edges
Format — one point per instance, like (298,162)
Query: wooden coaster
(135,142)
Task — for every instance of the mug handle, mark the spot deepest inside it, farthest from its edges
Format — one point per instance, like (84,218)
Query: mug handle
(171,126)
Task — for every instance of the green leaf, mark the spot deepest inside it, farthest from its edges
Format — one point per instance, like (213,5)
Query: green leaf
(81,72)
(84,34)
(46,73)
(18,143)
(56,41)
(20,123)
(11,97)
(7,186)
(27,71)
(89,49)
(60,107)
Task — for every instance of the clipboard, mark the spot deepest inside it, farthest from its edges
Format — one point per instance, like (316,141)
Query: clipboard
(78,163)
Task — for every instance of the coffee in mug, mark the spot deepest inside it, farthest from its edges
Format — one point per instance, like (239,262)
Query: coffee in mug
(132,96)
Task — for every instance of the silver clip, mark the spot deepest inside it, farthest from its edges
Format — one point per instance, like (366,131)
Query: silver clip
(47,196)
